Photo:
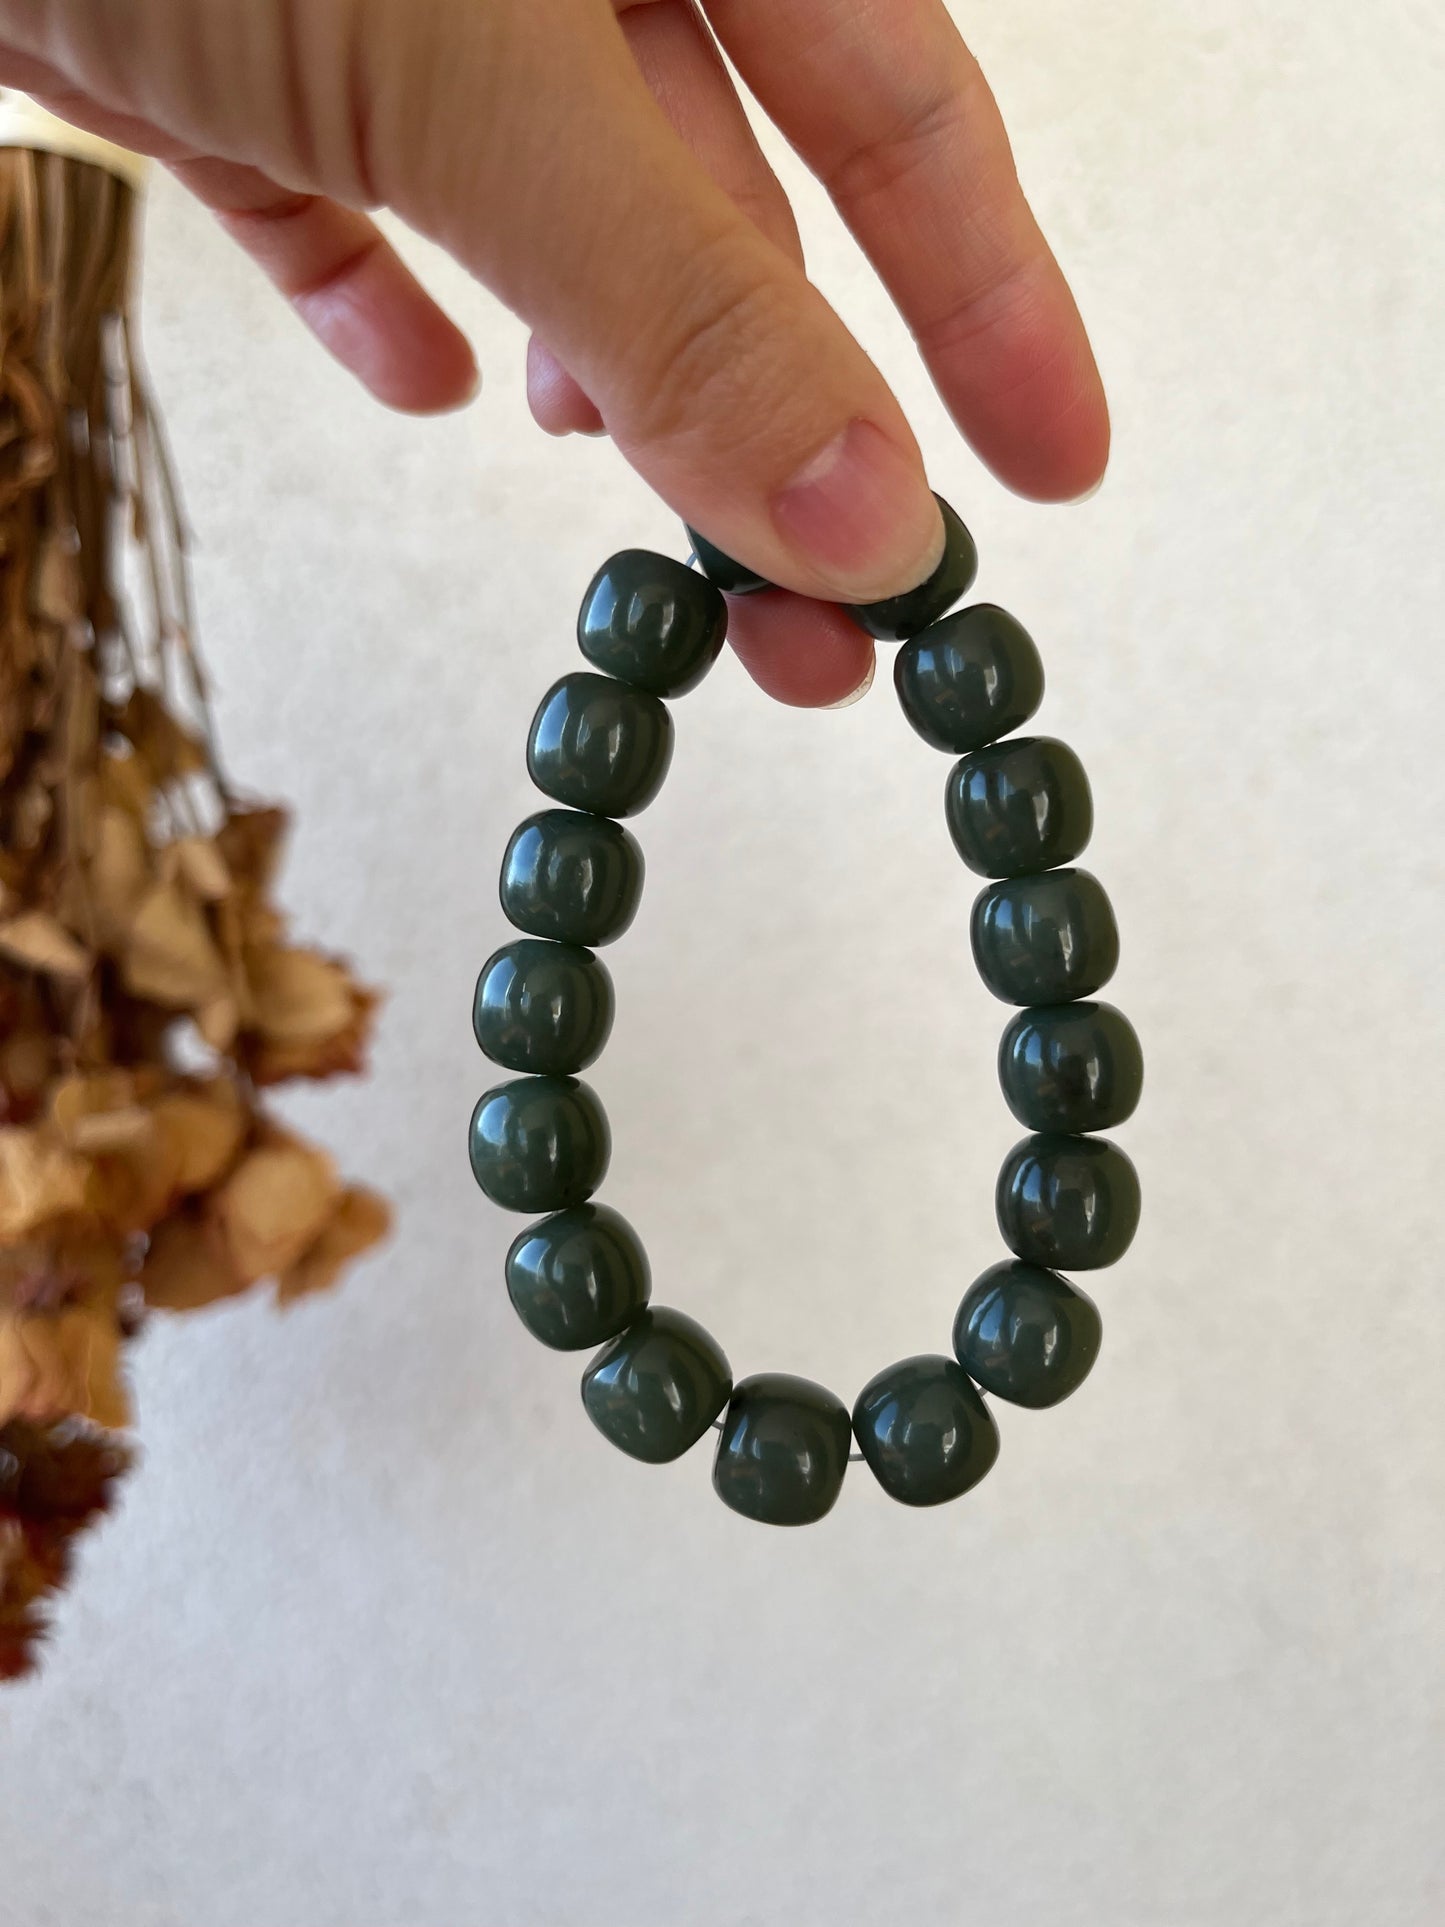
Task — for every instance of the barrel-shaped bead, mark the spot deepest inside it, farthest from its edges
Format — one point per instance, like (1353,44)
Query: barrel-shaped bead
(897,617)
(970,678)
(578,1277)
(543,1008)
(596,744)
(783,1450)
(1018,807)
(539,1143)
(1071,1067)
(573,877)
(1069,1203)
(651,621)
(1045,939)
(1026,1334)
(657,1386)
(924,1430)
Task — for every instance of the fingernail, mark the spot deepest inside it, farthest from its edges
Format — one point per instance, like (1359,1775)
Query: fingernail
(861,514)
(847,702)
(1088,495)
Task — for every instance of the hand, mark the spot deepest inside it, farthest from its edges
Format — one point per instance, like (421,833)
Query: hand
(590,162)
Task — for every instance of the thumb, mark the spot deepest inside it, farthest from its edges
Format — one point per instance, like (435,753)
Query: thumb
(723,376)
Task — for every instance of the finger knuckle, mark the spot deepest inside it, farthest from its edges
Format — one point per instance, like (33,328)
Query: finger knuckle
(713,351)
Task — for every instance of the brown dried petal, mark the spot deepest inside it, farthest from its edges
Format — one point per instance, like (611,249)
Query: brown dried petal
(119,874)
(343,1054)
(273,1206)
(360,1220)
(166,745)
(62,1364)
(39,1180)
(171,957)
(205,1125)
(127,783)
(252,841)
(218,1021)
(299,996)
(200,865)
(36,940)
(188,1264)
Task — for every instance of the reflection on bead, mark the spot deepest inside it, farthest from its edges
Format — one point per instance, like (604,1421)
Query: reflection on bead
(658,1386)
(924,1430)
(899,616)
(1045,939)
(539,1143)
(969,679)
(544,1008)
(1071,1067)
(572,877)
(1026,1334)
(1018,807)
(651,621)
(1071,1203)
(597,745)
(783,1450)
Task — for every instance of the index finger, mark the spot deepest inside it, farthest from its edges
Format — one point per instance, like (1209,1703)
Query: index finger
(888,107)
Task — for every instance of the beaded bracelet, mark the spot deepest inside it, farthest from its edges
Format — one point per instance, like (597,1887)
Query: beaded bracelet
(1043,937)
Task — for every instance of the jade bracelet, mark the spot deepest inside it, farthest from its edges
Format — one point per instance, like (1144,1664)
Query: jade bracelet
(1019,811)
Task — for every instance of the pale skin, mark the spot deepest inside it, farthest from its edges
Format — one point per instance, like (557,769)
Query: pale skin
(590,162)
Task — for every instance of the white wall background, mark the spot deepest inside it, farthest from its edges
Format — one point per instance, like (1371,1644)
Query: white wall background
(384,1635)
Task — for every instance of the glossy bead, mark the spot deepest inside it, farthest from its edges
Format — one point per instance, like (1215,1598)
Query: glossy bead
(924,1430)
(597,745)
(651,621)
(539,1144)
(735,577)
(578,1277)
(1071,1203)
(1071,1067)
(1045,939)
(1018,807)
(969,679)
(899,616)
(1026,1334)
(658,1386)
(572,877)
(783,1450)
(543,1008)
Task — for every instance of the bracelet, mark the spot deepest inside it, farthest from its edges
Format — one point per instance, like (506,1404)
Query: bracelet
(1043,935)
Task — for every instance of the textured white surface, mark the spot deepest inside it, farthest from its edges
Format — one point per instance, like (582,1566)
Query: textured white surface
(383,1634)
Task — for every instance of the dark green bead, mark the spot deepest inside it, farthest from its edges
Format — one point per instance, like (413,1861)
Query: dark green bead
(597,745)
(578,1277)
(658,1386)
(783,1450)
(1071,1067)
(899,616)
(924,1430)
(650,620)
(1026,1334)
(572,877)
(539,1143)
(544,1008)
(969,679)
(1071,1203)
(735,577)
(1045,939)
(1018,807)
